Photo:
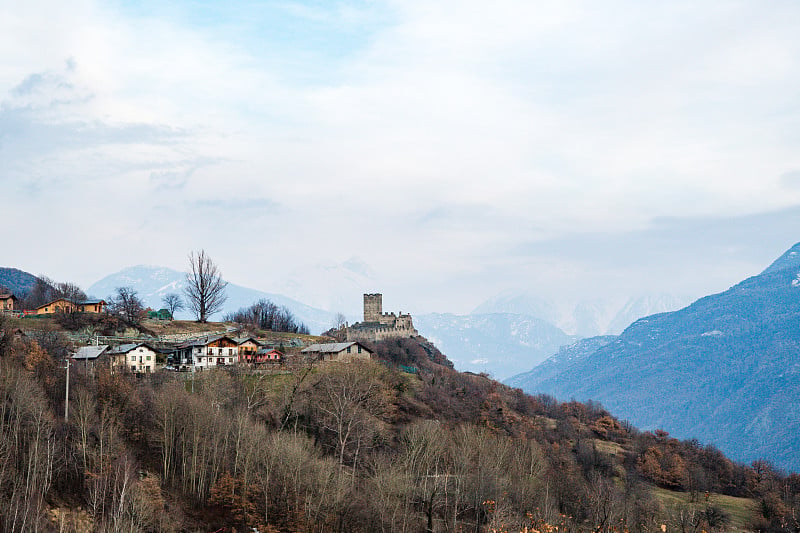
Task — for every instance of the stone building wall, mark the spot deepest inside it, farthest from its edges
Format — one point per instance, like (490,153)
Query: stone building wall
(377,325)
(373,307)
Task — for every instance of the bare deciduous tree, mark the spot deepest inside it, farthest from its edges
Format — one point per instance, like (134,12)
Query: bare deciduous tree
(70,292)
(127,305)
(348,400)
(266,315)
(172,302)
(43,291)
(205,289)
(339,327)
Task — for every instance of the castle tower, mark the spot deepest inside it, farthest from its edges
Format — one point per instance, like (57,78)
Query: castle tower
(373,307)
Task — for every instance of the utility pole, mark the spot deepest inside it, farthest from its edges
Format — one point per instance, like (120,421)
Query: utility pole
(66,396)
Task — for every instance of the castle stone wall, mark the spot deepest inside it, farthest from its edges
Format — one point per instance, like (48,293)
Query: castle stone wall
(373,307)
(378,325)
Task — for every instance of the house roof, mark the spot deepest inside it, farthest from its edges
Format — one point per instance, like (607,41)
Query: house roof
(242,340)
(129,347)
(7,295)
(83,302)
(203,341)
(51,302)
(333,347)
(90,352)
(263,351)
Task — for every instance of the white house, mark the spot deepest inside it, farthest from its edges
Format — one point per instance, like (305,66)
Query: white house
(137,358)
(206,352)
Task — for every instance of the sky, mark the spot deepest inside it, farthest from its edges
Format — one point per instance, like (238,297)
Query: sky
(458,148)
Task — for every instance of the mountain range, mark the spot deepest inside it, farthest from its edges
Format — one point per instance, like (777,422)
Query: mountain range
(500,344)
(725,369)
(582,317)
(559,362)
(152,283)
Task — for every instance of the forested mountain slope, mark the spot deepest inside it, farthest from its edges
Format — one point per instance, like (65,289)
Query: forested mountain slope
(725,369)
(17,281)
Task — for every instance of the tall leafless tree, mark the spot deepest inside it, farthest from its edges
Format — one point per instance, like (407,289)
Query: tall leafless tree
(172,302)
(205,288)
(43,291)
(127,305)
(70,292)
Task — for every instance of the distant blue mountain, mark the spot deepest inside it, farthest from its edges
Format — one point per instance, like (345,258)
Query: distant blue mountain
(565,358)
(501,344)
(725,369)
(152,283)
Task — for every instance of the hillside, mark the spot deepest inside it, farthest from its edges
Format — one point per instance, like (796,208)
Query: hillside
(725,369)
(403,444)
(17,281)
(348,448)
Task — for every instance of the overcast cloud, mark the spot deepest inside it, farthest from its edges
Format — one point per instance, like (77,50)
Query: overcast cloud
(459,148)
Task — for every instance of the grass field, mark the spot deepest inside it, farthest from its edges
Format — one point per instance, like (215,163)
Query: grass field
(740,510)
(178,327)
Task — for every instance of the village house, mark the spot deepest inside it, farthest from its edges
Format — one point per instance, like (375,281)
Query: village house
(206,352)
(262,355)
(248,346)
(7,301)
(343,352)
(138,358)
(59,305)
(92,306)
(90,355)
(161,314)
(62,305)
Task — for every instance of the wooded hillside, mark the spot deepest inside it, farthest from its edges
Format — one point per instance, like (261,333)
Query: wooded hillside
(347,447)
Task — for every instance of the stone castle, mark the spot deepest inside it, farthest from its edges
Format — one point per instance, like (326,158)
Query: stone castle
(378,325)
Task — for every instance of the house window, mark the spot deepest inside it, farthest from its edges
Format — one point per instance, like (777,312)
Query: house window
(359,349)
(148,357)
(133,368)
(133,358)
(348,349)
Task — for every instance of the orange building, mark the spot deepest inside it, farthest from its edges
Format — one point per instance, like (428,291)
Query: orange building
(62,305)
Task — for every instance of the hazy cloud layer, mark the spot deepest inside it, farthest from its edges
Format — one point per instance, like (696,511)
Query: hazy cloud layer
(458,147)
(791,179)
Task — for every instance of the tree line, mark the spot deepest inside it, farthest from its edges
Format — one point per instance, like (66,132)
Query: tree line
(266,315)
